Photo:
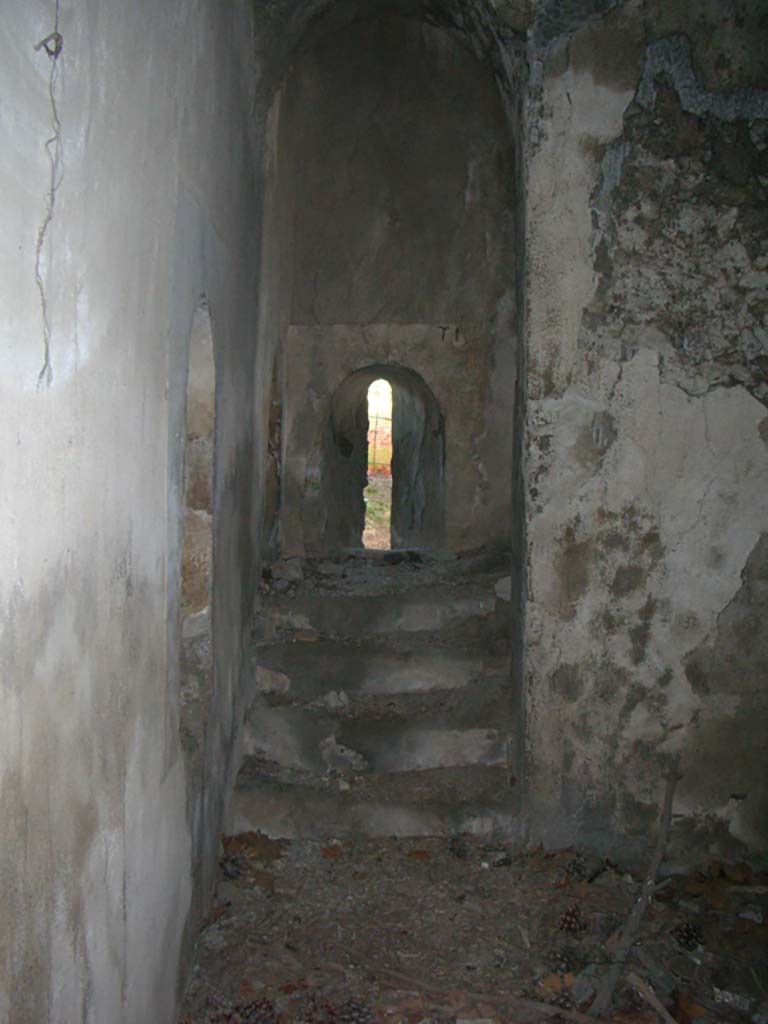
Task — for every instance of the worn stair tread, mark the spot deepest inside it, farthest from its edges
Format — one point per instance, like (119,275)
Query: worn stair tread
(387,572)
(308,671)
(424,610)
(429,802)
(319,743)
(484,704)
(380,700)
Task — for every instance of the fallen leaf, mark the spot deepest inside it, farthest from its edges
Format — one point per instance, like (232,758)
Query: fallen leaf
(457,998)
(306,636)
(419,855)
(739,873)
(551,983)
(264,881)
(635,1017)
(219,909)
(687,1009)
(714,891)
(231,845)
(333,852)
(294,986)
(258,846)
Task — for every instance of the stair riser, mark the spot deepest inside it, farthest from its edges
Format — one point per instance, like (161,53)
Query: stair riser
(318,743)
(328,816)
(292,670)
(344,617)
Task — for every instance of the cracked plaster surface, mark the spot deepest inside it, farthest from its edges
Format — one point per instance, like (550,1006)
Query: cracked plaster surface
(647,465)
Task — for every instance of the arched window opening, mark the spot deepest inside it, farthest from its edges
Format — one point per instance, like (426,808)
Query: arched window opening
(416,464)
(197,557)
(378,491)
(196,656)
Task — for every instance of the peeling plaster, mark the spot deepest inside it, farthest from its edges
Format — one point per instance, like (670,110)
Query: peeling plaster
(672,56)
(637,539)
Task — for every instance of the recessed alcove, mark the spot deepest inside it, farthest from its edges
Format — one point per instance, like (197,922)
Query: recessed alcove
(417,461)
(391,241)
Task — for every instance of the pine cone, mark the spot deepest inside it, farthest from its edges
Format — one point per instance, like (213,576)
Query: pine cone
(318,1013)
(218,1011)
(222,1016)
(564,960)
(576,868)
(353,1012)
(571,919)
(259,1011)
(688,935)
(562,999)
(458,847)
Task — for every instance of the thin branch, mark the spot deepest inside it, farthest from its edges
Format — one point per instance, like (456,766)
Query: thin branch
(650,997)
(632,925)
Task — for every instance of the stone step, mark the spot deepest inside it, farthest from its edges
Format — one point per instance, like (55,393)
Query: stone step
(440,802)
(318,741)
(380,572)
(467,611)
(485,702)
(309,671)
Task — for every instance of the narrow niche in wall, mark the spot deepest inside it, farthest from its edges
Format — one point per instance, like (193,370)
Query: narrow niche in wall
(197,545)
(378,491)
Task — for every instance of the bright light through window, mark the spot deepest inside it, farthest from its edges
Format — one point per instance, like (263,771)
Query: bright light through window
(378,493)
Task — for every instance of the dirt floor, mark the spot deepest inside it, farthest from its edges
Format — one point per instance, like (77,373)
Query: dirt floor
(437,931)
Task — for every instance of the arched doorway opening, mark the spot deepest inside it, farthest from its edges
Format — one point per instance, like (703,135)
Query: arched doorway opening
(417,461)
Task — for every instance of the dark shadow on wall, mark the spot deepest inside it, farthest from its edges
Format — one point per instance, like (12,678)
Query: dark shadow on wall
(418,460)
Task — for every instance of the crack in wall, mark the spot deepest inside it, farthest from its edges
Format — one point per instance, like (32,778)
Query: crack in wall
(52,44)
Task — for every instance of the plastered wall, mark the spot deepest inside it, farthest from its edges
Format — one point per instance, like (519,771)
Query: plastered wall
(107,833)
(644,483)
(647,463)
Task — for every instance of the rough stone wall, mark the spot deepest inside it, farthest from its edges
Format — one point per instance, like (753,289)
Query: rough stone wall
(647,430)
(102,823)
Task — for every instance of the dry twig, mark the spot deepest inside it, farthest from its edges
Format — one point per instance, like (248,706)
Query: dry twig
(650,997)
(632,925)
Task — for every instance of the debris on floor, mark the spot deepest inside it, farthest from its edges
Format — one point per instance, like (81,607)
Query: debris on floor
(450,930)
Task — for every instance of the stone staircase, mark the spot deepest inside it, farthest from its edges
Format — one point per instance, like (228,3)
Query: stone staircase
(381,700)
